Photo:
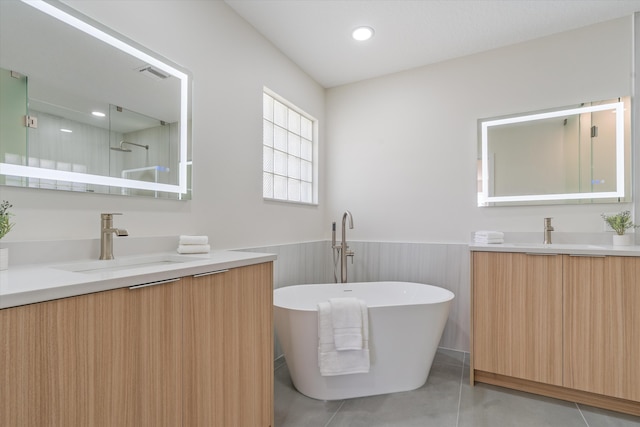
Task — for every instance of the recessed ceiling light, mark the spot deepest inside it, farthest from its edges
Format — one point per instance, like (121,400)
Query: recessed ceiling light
(362,33)
(98,113)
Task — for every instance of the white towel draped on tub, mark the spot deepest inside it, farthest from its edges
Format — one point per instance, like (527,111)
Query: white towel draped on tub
(346,318)
(343,337)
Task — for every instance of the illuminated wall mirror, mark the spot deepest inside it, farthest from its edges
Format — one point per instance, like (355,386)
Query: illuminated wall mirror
(570,155)
(85,109)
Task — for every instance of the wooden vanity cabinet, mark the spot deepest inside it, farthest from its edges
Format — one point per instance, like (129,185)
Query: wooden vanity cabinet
(602,325)
(111,358)
(194,352)
(558,325)
(517,315)
(228,343)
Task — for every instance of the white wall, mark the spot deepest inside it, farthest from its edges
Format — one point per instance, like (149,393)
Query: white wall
(402,148)
(230,63)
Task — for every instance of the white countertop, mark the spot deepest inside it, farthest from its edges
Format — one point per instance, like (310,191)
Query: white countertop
(27,284)
(557,248)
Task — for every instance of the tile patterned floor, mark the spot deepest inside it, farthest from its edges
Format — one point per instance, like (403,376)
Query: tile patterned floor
(446,400)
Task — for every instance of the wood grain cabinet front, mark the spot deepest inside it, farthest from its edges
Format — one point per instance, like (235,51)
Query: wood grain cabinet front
(228,343)
(105,359)
(558,325)
(194,352)
(518,315)
(602,325)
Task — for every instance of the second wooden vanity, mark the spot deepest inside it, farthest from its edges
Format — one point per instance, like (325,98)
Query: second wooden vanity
(192,351)
(559,325)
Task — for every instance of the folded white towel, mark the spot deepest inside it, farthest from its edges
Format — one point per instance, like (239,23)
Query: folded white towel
(340,362)
(488,240)
(346,318)
(490,234)
(193,249)
(194,240)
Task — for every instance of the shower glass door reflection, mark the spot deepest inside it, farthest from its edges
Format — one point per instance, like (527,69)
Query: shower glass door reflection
(123,144)
(142,148)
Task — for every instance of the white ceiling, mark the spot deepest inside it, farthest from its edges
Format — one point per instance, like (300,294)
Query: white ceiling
(316,34)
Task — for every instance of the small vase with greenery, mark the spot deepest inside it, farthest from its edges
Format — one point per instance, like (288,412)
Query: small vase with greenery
(5,226)
(5,218)
(620,222)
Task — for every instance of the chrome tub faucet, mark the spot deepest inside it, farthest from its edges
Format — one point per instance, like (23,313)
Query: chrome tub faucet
(343,248)
(106,235)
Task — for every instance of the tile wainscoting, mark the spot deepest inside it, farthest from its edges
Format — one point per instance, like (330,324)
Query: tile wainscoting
(440,264)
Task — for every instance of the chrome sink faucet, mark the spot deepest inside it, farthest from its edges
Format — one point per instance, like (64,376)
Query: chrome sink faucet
(547,231)
(106,235)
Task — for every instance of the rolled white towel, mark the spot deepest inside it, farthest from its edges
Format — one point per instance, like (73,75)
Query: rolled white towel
(194,240)
(194,249)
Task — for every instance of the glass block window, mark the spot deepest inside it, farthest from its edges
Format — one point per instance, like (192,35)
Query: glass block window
(289,147)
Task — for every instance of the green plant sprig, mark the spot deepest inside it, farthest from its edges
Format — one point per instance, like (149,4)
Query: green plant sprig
(5,223)
(620,222)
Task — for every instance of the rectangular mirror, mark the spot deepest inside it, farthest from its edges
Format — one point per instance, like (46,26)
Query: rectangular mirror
(577,154)
(85,109)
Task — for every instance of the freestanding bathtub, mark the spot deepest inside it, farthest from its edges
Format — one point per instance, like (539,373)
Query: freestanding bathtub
(406,321)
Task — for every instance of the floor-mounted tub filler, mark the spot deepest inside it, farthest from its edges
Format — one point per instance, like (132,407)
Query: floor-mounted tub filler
(405,324)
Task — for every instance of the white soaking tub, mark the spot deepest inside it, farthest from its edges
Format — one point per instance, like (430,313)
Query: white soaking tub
(406,321)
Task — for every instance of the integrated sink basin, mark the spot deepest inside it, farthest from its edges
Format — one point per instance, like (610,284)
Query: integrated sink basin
(98,266)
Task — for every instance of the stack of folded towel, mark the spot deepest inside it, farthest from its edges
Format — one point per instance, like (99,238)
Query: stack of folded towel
(193,245)
(488,236)
(343,337)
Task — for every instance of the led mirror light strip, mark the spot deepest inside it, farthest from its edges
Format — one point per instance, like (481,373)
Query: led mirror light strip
(33,172)
(618,107)
(83,178)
